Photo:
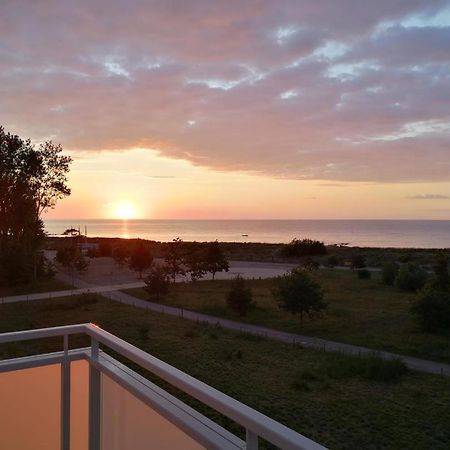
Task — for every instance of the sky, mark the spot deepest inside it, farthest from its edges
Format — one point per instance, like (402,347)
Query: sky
(236,109)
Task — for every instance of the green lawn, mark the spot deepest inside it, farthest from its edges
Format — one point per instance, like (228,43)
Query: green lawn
(32,288)
(287,383)
(361,312)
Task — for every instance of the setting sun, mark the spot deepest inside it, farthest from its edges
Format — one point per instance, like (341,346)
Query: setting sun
(125,210)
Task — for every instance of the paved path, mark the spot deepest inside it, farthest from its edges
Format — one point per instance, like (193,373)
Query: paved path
(113,292)
(291,338)
(82,288)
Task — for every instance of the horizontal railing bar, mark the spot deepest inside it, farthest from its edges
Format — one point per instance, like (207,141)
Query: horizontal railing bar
(40,333)
(29,362)
(187,419)
(255,421)
(245,416)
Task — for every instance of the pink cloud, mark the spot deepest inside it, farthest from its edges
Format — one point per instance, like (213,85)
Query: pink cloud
(253,86)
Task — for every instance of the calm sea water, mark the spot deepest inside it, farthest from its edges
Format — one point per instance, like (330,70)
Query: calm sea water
(369,233)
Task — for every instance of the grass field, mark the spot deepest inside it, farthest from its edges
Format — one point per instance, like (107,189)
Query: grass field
(361,312)
(31,288)
(299,387)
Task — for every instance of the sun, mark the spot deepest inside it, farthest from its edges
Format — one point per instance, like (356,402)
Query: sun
(125,211)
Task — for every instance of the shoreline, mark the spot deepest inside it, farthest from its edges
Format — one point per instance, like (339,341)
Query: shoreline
(420,234)
(98,239)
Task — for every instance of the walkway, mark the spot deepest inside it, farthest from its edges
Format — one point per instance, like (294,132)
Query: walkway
(82,288)
(113,292)
(421,365)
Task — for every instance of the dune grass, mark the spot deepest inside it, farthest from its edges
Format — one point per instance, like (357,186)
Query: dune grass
(299,387)
(361,312)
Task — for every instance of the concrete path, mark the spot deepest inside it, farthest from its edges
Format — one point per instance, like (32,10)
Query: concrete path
(421,365)
(82,288)
(113,292)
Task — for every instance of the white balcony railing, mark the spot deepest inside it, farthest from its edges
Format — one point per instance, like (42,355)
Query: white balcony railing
(204,431)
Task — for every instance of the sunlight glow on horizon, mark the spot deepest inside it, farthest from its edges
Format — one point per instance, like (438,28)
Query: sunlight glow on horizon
(124,210)
(140,184)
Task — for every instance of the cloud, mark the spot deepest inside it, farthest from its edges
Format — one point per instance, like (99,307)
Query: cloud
(339,185)
(429,197)
(338,90)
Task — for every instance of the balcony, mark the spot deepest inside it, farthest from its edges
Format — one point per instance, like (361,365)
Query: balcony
(85,399)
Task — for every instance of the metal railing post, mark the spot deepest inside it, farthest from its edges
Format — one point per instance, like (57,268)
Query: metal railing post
(251,440)
(94,400)
(65,397)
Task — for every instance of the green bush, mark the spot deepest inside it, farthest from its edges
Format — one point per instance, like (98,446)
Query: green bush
(240,298)
(364,274)
(389,273)
(332,261)
(432,309)
(441,278)
(310,265)
(411,277)
(304,247)
(157,282)
(358,262)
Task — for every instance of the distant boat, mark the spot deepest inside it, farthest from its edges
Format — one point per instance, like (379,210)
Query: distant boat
(244,235)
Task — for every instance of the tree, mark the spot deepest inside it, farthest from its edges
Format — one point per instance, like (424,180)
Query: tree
(432,309)
(411,277)
(389,273)
(140,259)
(240,298)
(72,258)
(297,293)
(157,281)
(120,255)
(31,181)
(66,255)
(81,264)
(194,261)
(174,260)
(215,260)
(441,278)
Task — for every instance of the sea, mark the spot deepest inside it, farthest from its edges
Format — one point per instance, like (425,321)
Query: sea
(363,233)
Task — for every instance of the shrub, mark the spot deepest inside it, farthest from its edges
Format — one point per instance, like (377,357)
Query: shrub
(157,281)
(441,278)
(358,262)
(389,273)
(310,265)
(432,309)
(332,261)
(364,274)
(405,258)
(240,298)
(304,247)
(411,277)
